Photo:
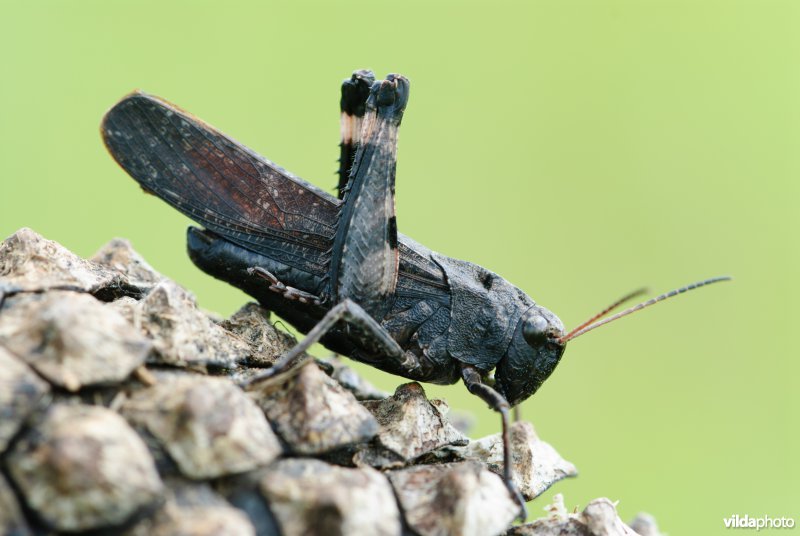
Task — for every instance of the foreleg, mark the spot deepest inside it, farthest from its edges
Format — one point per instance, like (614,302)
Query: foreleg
(474,382)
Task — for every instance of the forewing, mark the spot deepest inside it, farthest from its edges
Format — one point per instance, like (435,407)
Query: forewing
(220,183)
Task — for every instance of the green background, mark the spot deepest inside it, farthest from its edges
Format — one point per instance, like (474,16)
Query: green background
(578,148)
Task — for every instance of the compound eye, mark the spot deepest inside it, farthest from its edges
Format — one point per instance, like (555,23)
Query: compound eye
(535,329)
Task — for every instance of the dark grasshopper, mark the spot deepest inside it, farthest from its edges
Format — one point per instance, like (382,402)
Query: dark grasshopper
(337,269)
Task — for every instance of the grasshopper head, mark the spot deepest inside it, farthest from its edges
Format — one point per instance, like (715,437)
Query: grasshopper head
(539,342)
(533,354)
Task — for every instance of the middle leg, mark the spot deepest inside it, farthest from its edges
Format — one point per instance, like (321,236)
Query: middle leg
(350,313)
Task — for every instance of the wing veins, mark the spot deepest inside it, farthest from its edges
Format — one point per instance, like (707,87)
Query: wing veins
(201,212)
(206,217)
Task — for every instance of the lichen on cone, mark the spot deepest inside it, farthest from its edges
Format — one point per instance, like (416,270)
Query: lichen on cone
(120,412)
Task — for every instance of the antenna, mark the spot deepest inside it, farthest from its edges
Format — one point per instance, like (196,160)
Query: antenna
(605,311)
(593,322)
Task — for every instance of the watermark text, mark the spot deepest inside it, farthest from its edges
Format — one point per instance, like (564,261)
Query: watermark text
(737,521)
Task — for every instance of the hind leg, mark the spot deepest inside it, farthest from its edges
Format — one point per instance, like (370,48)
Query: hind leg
(355,91)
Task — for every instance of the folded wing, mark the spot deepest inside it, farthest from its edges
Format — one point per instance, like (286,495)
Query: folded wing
(220,184)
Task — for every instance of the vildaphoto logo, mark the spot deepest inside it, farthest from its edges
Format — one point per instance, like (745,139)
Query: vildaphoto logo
(763,522)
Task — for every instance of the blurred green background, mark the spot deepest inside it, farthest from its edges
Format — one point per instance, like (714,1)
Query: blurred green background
(579,148)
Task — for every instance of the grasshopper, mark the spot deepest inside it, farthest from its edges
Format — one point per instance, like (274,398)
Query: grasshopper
(336,268)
